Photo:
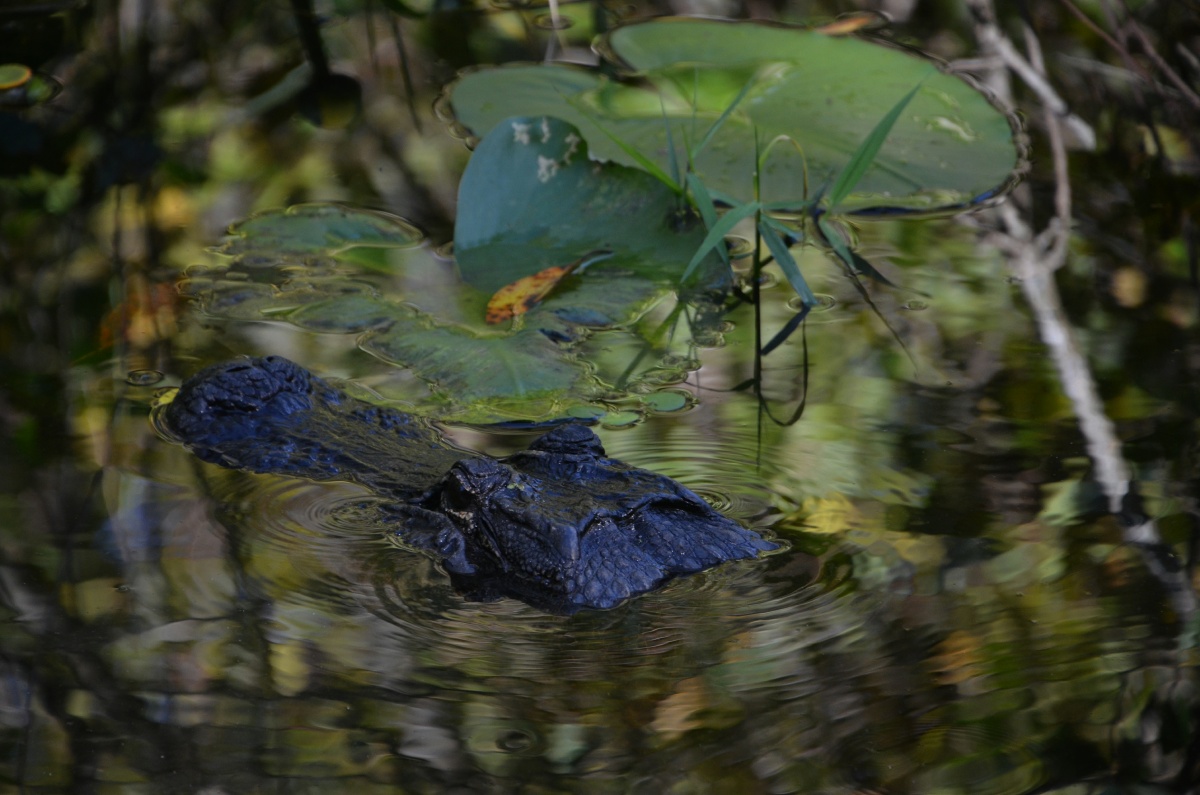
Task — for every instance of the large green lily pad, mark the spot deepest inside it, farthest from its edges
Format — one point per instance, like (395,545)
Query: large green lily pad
(531,198)
(950,149)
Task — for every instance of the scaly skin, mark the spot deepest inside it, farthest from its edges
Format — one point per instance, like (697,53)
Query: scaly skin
(560,525)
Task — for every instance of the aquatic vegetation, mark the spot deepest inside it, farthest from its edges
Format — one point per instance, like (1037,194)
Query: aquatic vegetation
(532,198)
(329,268)
(734,114)
(314,230)
(952,148)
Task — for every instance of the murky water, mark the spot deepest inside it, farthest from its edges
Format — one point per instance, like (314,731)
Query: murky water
(952,607)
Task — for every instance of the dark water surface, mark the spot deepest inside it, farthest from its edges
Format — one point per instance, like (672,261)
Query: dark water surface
(953,609)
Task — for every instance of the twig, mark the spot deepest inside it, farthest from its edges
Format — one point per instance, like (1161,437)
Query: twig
(1034,258)
(1132,29)
(1099,31)
(1180,84)
(991,39)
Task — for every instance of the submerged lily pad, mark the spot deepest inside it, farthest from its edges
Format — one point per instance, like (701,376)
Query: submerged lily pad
(475,374)
(467,368)
(950,149)
(316,229)
(531,199)
(463,366)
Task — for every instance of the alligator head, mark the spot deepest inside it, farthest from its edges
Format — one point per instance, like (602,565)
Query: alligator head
(563,526)
(559,525)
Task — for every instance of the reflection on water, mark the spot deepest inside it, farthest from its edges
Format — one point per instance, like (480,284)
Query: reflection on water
(948,611)
(248,631)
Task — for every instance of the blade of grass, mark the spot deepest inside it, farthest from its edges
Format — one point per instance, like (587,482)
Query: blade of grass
(675,175)
(708,211)
(727,199)
(853,259)
(716,235)
(790,236)
(646,163)
(836,242)
(716,125)
(843,252)
(867,269)
(787,263)
(864,156)
(787,331)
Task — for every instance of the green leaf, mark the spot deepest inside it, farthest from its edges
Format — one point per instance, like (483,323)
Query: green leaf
(644,162)
(867,151)
(949,149)
(531,199)
(716,125)
(836,242)
(319,228)
(467,368)
(707,209)
(783,257)
(852,259)
(716,235)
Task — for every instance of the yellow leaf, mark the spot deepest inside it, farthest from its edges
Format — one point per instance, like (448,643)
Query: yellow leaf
(525,293)
(850,23)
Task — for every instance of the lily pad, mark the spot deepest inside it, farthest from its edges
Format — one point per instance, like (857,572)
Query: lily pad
(463,366)
(598,299)
(317,229)
(529,373)
(950,149)
(532,199)
(467,368)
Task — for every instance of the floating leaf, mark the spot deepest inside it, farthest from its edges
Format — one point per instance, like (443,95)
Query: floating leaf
(949,149)
(598,299)
(473,374)
(531,198)
(319,228)
(468,368)
(525,293)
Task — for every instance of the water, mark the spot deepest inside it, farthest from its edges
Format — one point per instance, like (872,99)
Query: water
(952,608)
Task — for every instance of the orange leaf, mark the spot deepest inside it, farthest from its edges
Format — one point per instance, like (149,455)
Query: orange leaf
(525,293)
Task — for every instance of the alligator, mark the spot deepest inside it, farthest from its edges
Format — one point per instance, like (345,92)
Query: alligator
(559,525)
